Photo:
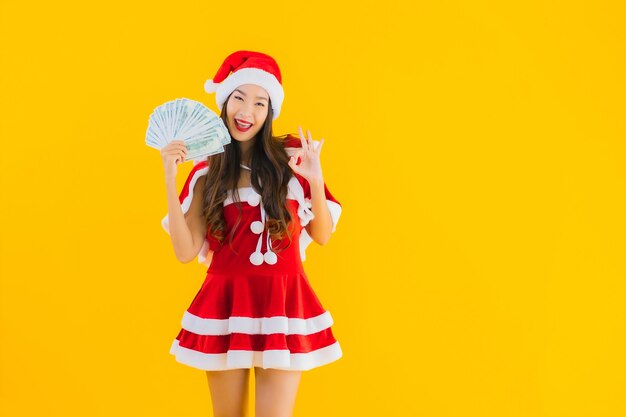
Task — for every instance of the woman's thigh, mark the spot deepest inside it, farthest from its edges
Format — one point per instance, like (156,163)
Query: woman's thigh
(275,392)
(229,392)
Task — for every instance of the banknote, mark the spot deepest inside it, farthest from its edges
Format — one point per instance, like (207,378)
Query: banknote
(202,130)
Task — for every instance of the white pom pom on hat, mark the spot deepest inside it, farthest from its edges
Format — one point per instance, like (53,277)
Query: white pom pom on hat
(210,86)
(247,67)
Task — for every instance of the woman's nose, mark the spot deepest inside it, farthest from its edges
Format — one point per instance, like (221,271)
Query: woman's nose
(246,110)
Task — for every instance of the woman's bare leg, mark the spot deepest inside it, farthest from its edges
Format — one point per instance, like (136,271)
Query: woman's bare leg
(229,392)
(275,392)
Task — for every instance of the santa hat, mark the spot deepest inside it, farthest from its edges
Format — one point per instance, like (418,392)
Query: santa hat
(247,67)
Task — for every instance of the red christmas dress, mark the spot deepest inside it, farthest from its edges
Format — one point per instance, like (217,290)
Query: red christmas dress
(256,307)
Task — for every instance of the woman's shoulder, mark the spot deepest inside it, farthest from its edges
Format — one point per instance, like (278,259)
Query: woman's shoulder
(199,164)
(200,169)
(291,142)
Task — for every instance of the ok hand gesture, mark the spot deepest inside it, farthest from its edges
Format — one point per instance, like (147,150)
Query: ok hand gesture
(310,167)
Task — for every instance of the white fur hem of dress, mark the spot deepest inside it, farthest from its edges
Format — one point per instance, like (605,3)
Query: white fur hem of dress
(275,359)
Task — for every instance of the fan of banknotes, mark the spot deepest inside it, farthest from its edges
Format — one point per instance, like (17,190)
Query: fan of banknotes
(202,130)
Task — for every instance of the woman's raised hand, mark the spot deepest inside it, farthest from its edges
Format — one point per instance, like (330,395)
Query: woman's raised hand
(173,154)
(310,166)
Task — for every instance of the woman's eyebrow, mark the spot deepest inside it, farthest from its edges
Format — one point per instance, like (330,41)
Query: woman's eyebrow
(262,98)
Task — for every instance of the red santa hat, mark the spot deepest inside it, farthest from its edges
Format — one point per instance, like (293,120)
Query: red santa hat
(247,67)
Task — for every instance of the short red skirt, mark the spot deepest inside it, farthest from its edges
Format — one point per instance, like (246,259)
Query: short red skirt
(256,320)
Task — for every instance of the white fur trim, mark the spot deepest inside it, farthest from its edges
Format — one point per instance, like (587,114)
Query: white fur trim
(305,241)
(254,76)
(249,325)
(206,255)
(304,206)
(335,212)
(275,359)
(307,215)
(294,192)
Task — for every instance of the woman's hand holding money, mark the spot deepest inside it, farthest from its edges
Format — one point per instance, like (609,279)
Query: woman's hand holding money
(173,154)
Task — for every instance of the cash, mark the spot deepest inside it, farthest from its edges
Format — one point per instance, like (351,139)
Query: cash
(203,131)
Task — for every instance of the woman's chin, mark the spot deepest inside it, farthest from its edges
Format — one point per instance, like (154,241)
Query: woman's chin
(243,137)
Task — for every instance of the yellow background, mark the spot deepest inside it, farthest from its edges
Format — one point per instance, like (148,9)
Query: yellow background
(477,149)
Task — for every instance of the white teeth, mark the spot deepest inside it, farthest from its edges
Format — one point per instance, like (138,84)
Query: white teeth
(243,124)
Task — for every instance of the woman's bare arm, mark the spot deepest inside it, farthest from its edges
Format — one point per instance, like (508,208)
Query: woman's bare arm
(187,231)
(320,227)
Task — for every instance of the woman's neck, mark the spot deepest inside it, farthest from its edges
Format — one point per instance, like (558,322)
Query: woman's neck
(246,151)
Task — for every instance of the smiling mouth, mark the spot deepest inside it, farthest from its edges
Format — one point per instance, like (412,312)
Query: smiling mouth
(242,126)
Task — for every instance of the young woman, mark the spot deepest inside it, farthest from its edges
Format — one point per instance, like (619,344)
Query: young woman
(249,213)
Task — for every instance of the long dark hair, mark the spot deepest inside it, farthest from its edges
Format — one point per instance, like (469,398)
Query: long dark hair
(269,162)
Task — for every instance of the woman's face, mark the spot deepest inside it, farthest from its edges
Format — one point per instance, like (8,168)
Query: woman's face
(247,104)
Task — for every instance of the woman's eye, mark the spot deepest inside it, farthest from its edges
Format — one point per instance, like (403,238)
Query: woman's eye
(242,100)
